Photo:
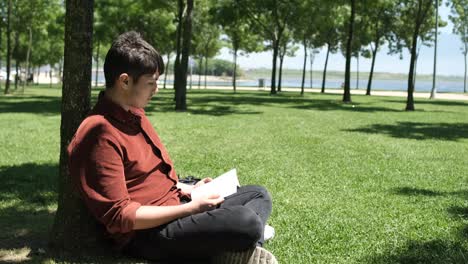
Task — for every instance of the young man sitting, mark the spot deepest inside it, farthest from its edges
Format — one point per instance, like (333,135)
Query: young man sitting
(128,182)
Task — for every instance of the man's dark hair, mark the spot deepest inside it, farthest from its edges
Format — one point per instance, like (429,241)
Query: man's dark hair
(131,54)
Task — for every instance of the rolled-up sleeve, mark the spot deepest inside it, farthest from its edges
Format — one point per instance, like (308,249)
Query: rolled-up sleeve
(99,169)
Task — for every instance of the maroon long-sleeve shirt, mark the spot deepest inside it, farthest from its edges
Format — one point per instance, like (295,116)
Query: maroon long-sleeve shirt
(118,163)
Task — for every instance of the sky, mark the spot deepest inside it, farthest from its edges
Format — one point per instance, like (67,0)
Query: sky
(450,60)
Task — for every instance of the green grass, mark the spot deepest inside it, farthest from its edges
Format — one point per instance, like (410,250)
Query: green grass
(352,183)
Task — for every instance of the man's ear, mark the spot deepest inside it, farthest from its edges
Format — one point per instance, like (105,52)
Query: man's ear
(124,80)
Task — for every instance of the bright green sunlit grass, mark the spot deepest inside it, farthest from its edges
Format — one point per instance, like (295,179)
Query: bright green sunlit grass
(352,183)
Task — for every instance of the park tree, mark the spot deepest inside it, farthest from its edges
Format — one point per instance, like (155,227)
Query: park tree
(183,42)
(269,18)
(330,18)
(73,227)
(228,14)
(415,23)
(206,41)
(286,48)
(349,42)
(380,15)
(459,18)
(8,52)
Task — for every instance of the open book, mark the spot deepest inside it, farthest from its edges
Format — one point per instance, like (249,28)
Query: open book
(223,185)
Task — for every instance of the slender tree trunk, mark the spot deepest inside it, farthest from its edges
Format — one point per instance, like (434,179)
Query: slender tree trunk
(325,69)
(38,71)
(97,64)
(466,67)
(74,229)
(410,99)
(181,99)
(371,74)
(167,69)
(273,71)
(177,73)
(234,73)
(8,55)
(357,72)
(28,55)
(200,63)
(311,61)
(206,68)
(434,89)
(280,74)
(347,91)
(18,74)
(304,42)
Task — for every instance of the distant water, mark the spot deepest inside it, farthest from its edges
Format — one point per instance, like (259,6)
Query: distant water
(382,85)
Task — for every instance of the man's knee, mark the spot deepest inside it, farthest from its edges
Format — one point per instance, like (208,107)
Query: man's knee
(260,190)
(248,223)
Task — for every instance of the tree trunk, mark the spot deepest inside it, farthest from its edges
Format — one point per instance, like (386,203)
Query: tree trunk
(74,230)
(234,73)
(8,57)
(311,61)
(357,72)
(434,89)
(50,76)
(466,66)
(280,74)
(371,74)
(181,100)
(347,92)
(18,74)
(28,55)
(167,69)
(177,73)
(304,66)
(97,64)
(414,44)
(206,69)
(273,71)
(325,69)
(199,70)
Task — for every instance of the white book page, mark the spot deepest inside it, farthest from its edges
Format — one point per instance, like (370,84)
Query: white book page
(223,185)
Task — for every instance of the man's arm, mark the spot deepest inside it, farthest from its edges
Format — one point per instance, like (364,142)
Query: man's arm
(148,216)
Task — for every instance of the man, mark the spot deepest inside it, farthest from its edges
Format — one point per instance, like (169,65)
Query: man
(127,180)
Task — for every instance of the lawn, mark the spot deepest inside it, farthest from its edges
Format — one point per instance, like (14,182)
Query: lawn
(352,183)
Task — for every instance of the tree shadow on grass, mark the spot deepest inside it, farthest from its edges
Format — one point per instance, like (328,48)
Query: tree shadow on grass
(436,251)
(30,104)
(429,102)
(418,130)
(424,252)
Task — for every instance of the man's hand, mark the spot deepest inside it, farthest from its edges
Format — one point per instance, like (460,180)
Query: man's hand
(202,181)
(205,203)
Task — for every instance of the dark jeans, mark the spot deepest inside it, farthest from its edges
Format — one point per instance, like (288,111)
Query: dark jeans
(237,224)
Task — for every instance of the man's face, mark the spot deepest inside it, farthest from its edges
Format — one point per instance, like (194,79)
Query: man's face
(140,93)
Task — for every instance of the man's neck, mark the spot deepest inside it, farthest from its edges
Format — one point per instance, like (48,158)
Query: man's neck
(114,96)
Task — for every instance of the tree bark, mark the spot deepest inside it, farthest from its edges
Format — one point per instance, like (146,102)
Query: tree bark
(434,89)
(273,71)
(466,66)
(206,69)
(28,54)
(177,77)
(8,57)
(414,44)
(304,66)
(234,73)
(200,63)
(280,74)
(97,64)
(167,69)
(181,100)
(74,230)
(371,74)
(311,61)
(347,91)
(325,69)
(357,72)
